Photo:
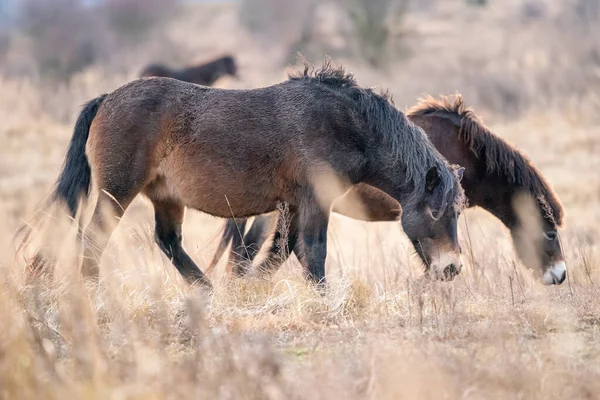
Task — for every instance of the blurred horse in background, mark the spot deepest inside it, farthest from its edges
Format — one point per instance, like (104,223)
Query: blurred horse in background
(204,74)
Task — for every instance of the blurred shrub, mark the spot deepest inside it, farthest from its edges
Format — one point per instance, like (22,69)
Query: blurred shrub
(4,43)
(375,23)
(588,12)
(61,35)
(557,63)
(290,22)
(372,24)
(534,9)
(132,19)
(68,35)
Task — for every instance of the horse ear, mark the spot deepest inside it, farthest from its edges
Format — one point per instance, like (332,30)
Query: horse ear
(432,179)
(460,172)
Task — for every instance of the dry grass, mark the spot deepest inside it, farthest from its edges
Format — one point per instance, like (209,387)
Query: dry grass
(381,332)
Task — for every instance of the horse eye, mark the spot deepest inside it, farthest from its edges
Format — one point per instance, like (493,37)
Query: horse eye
(434,214)
(550,235)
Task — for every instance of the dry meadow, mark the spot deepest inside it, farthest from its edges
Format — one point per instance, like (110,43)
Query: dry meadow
(382,331)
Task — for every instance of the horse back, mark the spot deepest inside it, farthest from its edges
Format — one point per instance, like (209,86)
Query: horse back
(195,141)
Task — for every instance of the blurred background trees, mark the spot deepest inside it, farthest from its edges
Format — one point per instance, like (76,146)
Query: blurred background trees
(375,24)
(59,38)
(505,56)
(368,25)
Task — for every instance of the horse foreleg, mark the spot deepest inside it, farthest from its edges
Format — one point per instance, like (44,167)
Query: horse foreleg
(313,228)
(169,218)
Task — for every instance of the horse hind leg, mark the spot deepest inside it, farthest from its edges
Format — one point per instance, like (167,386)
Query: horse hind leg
(169,218)
(115,193)
(95,236)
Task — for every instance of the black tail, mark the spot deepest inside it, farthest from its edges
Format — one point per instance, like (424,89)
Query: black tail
(232,228)
(229,233)
(74,179)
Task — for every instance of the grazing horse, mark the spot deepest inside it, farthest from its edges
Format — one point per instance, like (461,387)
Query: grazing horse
(495,173)
(303,142)
(204,74)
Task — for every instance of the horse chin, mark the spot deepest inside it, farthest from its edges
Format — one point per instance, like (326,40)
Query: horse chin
(555,274)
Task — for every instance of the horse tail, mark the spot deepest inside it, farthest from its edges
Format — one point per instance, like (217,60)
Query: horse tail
(73,182)
(75,177)
(229,233)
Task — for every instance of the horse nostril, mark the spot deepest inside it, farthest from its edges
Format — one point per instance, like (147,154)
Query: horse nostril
(450,271)
(562,278)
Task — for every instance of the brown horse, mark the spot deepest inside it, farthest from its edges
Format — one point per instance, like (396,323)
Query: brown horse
(204,74)
(495,173)
(303,142)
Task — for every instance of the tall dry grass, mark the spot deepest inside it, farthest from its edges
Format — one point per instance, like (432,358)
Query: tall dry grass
(382,331)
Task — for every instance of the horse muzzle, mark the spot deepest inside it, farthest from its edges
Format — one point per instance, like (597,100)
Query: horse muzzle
(555,274)
(446,268)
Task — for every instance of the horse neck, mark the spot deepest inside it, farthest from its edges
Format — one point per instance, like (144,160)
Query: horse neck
(496,196)
(501,198)
(389,177)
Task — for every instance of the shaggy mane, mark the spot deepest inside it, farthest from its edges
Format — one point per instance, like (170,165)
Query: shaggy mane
(334,76)
(408,143)
(500,157)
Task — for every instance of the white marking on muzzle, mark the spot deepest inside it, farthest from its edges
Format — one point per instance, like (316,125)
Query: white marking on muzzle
(556,274)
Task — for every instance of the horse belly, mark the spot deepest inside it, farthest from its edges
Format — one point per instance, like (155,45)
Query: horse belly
(224,201)
(214,187)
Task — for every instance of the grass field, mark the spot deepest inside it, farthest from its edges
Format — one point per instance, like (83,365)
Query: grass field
(382,331)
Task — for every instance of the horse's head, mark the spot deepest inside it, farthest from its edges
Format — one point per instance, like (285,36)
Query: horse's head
(537,241)
(551,256)
(431,223)
(229,66)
